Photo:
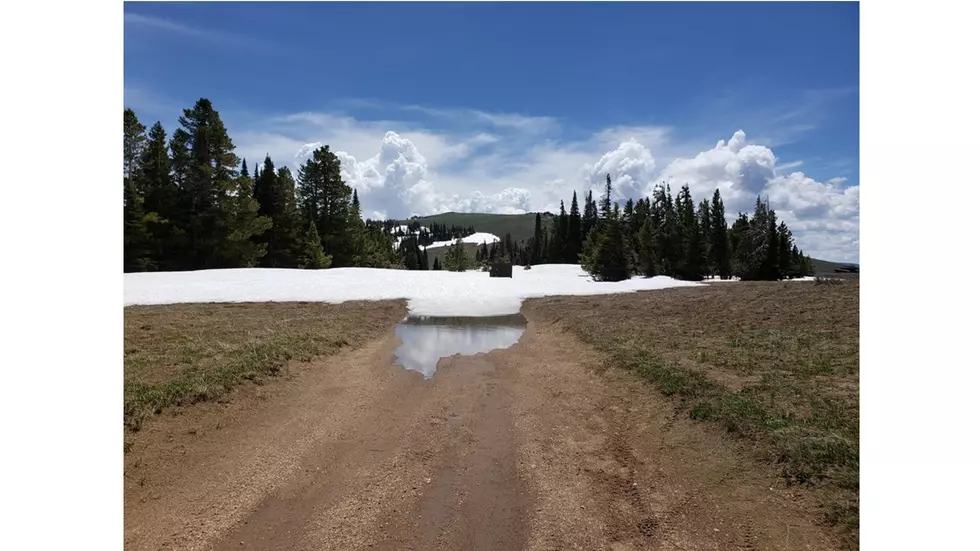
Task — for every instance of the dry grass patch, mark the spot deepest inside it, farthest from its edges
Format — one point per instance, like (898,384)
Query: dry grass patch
(774,363)
(185,353)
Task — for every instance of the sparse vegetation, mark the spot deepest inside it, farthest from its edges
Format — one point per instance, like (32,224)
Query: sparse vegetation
(186,353)
(775,364)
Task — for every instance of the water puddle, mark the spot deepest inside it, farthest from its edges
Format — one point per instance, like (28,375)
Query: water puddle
(426,339)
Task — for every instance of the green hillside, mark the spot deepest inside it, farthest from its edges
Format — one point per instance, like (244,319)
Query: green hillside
(520,226)
(826,266)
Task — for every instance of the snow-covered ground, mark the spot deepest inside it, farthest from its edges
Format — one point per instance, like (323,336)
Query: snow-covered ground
(478,238)
(432,293)
(716,279)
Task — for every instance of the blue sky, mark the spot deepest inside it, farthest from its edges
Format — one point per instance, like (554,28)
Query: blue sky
(508,107)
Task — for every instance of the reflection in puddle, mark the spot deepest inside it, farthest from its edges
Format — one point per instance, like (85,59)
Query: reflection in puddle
(426,339)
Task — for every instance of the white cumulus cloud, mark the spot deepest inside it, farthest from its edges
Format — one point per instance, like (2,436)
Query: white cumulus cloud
(738,169)
(630,168)
(395,182)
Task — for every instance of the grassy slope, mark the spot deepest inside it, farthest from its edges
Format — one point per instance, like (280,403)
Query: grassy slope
(775,364)
(521,227)
(825,266)
(186,353)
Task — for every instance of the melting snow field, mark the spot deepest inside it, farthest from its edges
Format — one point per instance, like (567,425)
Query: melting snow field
(477,238)
(429,293)
(717,279)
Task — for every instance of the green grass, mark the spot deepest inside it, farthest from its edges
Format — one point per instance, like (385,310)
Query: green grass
(181,354)
(774,364)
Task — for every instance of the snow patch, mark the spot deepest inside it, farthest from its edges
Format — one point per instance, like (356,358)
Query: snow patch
(717,279)
(429,293)
(477,238)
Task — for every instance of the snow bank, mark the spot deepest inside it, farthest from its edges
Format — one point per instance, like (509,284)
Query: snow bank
(717,279)
(477,238)
(431,293)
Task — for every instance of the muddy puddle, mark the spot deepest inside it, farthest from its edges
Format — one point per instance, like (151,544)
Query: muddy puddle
(426,339)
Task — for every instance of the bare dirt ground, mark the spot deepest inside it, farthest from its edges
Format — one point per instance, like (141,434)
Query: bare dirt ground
(533,447)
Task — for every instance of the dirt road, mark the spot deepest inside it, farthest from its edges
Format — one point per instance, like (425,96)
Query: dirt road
(532,448)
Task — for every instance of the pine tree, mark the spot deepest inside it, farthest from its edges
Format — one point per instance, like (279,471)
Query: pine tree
(536,251)
(591,216)
(628,214)
(694,259)
(410,253)
(326,200)
(241,224)
(784,252)
(588,258)
(436,265)
(456,259)
(703,215)
(289,222)
(134,140)
(607,199)
(311,256)
(136,238)
(611,262)
(574,237)
(692,264)
(210,207)
(425,258)
(737,239)
(160,200)
(647,255)
(356,234)
(756,258)
(561,233)
(720,250)
(180,161)
(668,236)
(245,167)
(272,206)
(770,270)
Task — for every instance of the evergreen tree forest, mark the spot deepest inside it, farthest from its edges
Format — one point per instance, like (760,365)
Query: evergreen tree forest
(661,235)
(190,203)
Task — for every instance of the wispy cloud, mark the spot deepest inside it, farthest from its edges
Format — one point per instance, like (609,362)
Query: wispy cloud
(523,123)
(150,105)
(786,166)
(137,20)
(460,117)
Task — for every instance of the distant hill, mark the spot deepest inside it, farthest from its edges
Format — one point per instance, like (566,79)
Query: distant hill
(521,228)
(826,266)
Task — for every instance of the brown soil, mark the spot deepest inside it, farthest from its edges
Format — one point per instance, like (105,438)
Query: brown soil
(526,448)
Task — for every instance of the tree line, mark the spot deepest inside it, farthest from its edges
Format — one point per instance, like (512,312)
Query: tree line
(659,235)
(427,235)
(190,203)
